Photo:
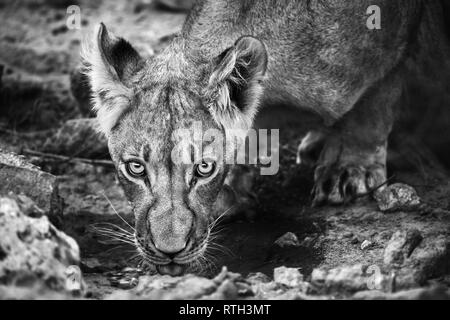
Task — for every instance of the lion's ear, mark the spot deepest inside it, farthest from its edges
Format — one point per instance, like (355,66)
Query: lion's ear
(235,86)
(110,63)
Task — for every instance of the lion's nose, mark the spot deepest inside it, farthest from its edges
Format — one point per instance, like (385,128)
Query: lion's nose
(171,251)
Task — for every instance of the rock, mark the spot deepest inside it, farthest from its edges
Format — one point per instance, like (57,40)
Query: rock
(127,278)
(397,197)
(430,260)
(257,277)
(415,259)
(81,91)
(401,246)
(366,245)
(308,242)
(78,138)
(189,287)
(290,277)
(343,279)
(433,293)
(127,284)
(39,292)
(288,240)
(33,252)
(20,177)
(287,285)
(348,235)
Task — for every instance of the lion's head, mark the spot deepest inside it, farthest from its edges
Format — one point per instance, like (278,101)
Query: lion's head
(150,112)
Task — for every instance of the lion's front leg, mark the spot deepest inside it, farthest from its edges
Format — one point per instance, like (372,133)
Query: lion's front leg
(353,159)
(237,196)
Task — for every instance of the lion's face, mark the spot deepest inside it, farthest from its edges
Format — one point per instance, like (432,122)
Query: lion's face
(171,187)
(166,121)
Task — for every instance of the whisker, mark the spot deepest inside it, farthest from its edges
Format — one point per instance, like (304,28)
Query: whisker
(111,227)
(151,258)
(115,211)
(117,227)
(116,236)
(135,258)
(209,266)
(115,241)
(214,223)
(222,249)
(113,233)
(121,247)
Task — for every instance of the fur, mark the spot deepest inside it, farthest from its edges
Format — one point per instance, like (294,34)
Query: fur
(233,56)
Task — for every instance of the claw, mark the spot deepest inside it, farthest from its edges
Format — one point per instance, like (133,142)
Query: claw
(343,185)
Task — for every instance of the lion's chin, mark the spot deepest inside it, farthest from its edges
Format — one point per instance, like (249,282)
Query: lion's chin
(171,269)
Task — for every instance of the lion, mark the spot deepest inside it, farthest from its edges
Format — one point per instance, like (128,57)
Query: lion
(231,58)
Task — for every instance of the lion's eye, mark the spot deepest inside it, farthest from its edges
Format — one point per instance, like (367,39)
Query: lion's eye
(135,169)
(205,169)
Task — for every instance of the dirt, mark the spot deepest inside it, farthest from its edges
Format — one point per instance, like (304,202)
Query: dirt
(337,246)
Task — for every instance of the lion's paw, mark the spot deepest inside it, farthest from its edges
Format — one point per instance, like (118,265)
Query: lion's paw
(342,184)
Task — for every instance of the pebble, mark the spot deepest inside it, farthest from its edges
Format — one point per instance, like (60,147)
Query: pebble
(347,234)
(124,284)
(366,244)
(397,197)
(288,240)
(290,277)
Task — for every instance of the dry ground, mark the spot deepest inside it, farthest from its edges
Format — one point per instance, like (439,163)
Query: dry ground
(38,53)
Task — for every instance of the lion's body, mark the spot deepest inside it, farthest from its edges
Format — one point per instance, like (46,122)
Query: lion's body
(232,56)
(322,56)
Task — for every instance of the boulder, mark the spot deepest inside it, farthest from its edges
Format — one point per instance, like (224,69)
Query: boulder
(34,254)
(400,246)
(78,138)
(20,177)
(430,260)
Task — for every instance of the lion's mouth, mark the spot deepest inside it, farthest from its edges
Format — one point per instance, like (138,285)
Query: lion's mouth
(174,266)
(171,269)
